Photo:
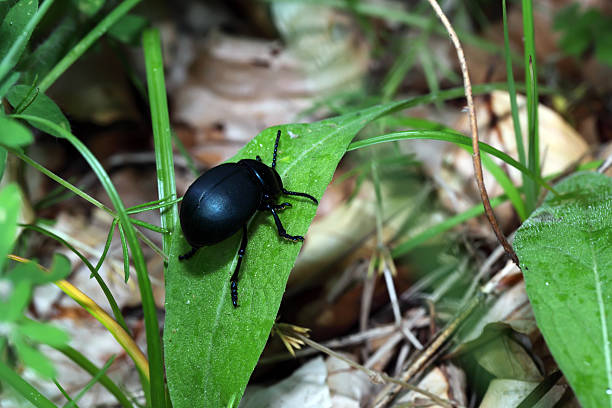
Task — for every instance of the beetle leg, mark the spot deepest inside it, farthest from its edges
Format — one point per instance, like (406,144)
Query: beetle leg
(278,134)
(295,193)
(189,254)
(281,230)
(258,158)
(281,206)
(234,278)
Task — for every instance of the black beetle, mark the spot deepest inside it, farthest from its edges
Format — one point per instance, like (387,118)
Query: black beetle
(225,198)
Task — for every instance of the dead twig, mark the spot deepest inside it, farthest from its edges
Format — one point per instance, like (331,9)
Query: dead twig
(474,128)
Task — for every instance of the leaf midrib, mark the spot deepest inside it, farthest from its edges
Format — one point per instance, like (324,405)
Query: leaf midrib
(603,318)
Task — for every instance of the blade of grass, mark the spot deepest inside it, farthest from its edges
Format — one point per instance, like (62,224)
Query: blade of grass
(63,391)
(92,369)
(531,195)
(411,243)
(154,349)
(399,15)
(126,254)
(448,137)
(520,147)
(94,272)
(91,382)
(83,45)
(148,226)
(30,393)
(58,179)
(162,136)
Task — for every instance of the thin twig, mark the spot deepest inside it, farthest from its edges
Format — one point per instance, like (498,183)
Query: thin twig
(474,128)
(376,376)
(426,356)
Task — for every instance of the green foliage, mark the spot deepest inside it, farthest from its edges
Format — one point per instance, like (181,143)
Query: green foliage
(14,134)
(211,348)
(13,26)
(27,100)
(22,334)
(565,249)
(582,31)
(129,29)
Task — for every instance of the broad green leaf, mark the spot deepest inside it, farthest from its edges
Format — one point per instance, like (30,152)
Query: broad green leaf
(29,101)
(565,249)
(211,348)
(10,202)
(13,25)
(13,133)
(43,333)
(34,359)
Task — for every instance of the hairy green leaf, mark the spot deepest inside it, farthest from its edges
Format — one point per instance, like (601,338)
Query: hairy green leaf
(565,249)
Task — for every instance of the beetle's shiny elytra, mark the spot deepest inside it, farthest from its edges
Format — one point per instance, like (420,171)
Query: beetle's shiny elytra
(223,200)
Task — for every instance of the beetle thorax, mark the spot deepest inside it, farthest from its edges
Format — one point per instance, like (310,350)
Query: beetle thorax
(271,183)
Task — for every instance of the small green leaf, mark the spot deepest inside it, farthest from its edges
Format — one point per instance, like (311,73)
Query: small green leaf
(129,29)
(31,272)
(60,268)
(43,333)
(88,7)
(29,101)
(10,203)
(14,25)
(34,359)
(565,249)
(13,133)
(18,300)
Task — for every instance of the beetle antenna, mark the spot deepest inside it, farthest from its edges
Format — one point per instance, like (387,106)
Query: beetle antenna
(275,148)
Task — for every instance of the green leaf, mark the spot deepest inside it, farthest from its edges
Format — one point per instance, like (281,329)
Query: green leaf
(13,26)
(3,156)
(13,309)
(565,249)
(128,29)
(8,83)
(64,35)
(30,271)
(10,203)
(88,7)
(29,101)
(211,347)
(60,268)
(34,359)
(13,133)
(44,333)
